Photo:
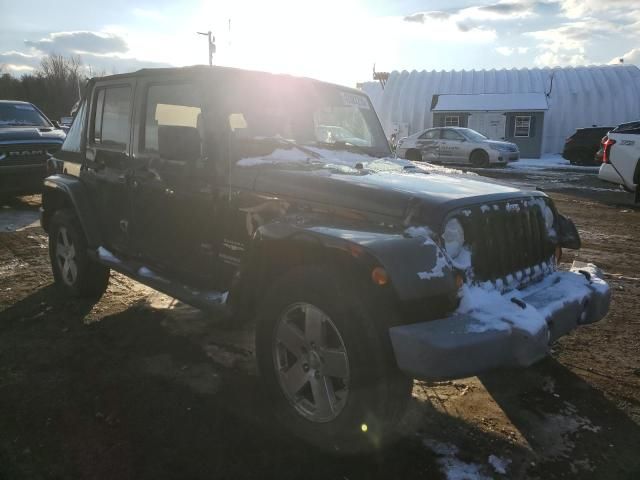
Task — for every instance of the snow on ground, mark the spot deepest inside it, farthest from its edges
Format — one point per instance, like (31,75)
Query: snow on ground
(549,161)
(450,465)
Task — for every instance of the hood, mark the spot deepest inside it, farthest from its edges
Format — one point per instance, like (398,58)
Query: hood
(31,134)
(383,186)
(498,143)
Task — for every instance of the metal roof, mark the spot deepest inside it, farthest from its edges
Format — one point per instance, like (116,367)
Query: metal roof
(487,102)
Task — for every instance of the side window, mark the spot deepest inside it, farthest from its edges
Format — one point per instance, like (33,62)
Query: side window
(112,120)
(451,135)
(173,126)
(72,143)
(430,135)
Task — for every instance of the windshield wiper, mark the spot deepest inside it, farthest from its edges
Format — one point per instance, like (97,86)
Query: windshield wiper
(285,141)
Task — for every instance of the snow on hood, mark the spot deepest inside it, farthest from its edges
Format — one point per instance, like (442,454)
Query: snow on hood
(343,160)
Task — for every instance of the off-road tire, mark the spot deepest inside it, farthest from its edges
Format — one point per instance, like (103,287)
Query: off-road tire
(479,159)
(378,392)
(88,278)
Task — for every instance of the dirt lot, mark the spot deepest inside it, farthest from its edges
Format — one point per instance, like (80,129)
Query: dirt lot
(137,386)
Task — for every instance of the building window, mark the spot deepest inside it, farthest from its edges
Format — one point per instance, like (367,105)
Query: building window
(523,126)
(452,121)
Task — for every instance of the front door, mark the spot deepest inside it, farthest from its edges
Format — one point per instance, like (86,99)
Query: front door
(174,194)
(108,161)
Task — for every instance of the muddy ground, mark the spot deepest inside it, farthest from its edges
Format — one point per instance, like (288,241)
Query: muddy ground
(137,386)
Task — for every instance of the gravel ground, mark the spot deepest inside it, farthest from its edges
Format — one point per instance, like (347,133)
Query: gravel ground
(139,386)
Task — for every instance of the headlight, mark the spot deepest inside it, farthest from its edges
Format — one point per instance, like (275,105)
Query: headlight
(453,237)
(499,148)
(549,218)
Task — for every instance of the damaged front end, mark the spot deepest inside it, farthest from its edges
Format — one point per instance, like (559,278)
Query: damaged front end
(513,300)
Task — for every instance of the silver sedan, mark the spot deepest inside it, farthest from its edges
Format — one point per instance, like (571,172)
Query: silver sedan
(456,145)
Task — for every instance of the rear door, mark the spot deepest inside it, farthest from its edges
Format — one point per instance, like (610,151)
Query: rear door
(428,144)
(108,159)
(451,146)
(174,193)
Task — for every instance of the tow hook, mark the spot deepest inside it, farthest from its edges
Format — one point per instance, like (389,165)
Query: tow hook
(519,302)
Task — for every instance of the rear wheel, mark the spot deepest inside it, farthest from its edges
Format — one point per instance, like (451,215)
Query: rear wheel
(74,272)
(326,364)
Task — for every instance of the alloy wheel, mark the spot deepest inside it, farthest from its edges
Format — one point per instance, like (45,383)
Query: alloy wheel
(311,362)
(66,257)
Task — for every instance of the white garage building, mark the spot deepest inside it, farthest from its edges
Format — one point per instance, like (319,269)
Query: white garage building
(535,108)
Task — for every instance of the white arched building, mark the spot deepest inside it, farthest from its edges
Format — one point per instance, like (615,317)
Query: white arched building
(548,104)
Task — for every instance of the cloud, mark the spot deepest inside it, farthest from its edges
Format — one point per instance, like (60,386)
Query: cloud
(420,17)
(506,8)
(508,51)
(566,44)
(581,8)
(69,43)
(632,57)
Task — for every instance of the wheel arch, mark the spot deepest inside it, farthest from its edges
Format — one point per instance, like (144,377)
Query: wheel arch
(478,150)
(64,192)
(278,248)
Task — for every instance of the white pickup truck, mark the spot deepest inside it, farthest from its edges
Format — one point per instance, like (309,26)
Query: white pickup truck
(621,155)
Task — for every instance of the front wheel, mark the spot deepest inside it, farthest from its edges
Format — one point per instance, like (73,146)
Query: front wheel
(479,159)
(74,272)
(327,364)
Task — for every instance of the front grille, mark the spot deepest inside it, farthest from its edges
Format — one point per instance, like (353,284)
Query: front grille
(508,239)
(26,154)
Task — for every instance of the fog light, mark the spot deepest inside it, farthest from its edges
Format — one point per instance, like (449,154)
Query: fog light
(379,276)
(558,255)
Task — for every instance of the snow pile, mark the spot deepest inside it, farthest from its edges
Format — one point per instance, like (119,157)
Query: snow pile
(499,464)
(549,162)
(451,466)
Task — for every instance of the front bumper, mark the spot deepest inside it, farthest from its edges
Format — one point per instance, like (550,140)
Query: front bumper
(22,179)
(499,156)
(491,330)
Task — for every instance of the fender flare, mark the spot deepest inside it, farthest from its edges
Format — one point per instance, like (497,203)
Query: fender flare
(417,267)
(77,196)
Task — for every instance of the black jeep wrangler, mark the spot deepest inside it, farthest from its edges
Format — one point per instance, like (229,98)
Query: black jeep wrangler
(27,138)
(229,190)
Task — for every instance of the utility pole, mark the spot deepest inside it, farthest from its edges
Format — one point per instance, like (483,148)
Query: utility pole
(211,40)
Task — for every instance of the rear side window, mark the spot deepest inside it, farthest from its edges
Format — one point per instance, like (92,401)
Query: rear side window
(173,122)
(112,117)
(73,141)
(430,135)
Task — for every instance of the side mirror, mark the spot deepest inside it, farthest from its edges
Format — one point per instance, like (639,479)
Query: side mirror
(179,143)
(56,124)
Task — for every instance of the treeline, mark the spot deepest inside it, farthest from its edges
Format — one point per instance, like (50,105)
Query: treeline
(53,87)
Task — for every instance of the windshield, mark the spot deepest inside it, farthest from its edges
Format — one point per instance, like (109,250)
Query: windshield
(265,109)
(21,114)
(472,135)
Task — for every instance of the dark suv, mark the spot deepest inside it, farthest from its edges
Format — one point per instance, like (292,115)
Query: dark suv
(27,138)
(360,272)
(581,147)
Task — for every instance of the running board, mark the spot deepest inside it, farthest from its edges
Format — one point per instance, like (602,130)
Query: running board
(208,300)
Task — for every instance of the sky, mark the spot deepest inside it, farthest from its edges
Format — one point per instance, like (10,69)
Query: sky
(332,40)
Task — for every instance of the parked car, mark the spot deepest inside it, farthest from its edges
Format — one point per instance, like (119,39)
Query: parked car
(581,147)
(27,138)
(456,145)
(359,272)
(621,157)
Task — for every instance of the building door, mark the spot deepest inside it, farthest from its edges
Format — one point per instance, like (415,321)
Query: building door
(491,125)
